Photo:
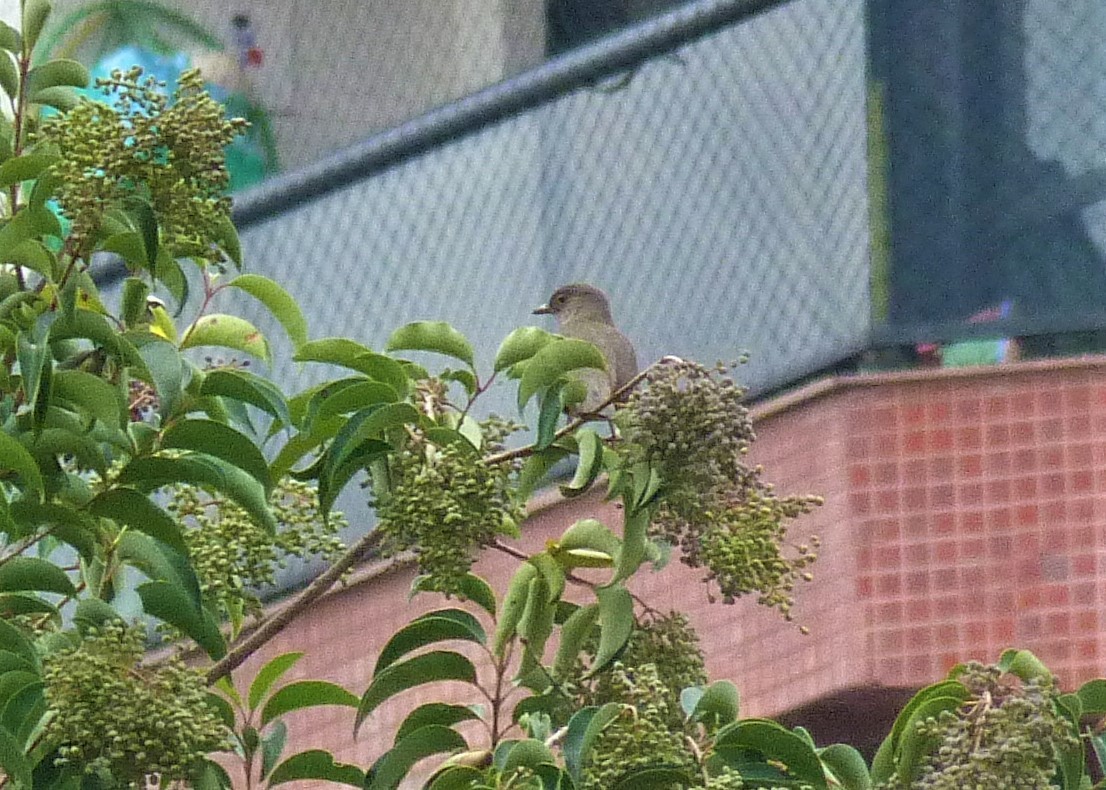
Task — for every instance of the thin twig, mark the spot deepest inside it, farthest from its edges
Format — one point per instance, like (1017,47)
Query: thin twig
(528,450)
(279,621)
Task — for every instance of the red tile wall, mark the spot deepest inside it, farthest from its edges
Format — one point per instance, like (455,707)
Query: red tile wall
(964,514)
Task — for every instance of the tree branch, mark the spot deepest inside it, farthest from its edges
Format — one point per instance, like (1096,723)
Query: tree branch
(272,626)
(528,450)
(280,620)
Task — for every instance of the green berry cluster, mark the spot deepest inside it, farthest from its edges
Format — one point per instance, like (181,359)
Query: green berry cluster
(234,556)
(726,779)
(670,645)
(640,737)
(742,548)
(122,722)
(444,503)
(169,152)
(1006,735)
(690,421)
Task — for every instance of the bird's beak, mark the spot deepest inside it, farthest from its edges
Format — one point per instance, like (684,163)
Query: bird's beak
(543,310)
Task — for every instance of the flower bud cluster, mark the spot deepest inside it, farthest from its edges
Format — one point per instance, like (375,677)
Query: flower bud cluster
(444,504)
(122,722)
(234,556)
(690,421)
(640,737)
(667,643)
(1007,734)
(172,153)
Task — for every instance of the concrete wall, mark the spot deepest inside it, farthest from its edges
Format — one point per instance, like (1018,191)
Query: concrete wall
(965,513)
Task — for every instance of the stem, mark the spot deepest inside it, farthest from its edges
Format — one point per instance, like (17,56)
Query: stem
(528,450)
(273,625)
(480,390)
(209,294)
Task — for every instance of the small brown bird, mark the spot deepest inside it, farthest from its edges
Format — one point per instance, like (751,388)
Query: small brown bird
(583,311)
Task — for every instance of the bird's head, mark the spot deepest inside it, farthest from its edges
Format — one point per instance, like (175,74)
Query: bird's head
(576,302)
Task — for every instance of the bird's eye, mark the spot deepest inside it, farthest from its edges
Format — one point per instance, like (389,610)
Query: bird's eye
(559,299)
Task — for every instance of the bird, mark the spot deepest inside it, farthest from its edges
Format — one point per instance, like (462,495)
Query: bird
(583,311)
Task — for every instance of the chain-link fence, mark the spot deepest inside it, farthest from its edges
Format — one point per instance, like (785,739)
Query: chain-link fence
(716,189)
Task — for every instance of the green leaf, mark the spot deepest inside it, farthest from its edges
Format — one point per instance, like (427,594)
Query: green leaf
(305,694)
(437,665)
(220,441)
(226,236)
(522,343)
(35,13)
(16,604)
(575,631)
(913,746)
(660,777)
(9,75)
(437,626)
(535,626)
(316,764)
(269,673)
(34,359)
(13,761)
(356,395)
(777,743)
(279,302)
(527,753)
(14,642)
(32,254)
(130,508)
(92,395)
(616,623)
(514,604)
(717,704)
(847,766)
(536,467)
(227,331)
(167,373)
(635,541)
(62,98)
(93,613)
(133,305)
(339,351)
(590,464)
(589,533)
(472,588)
(584,728)
(170,603)
(554,360)
(392,766)
(1023,664)
(437,713)
(550,407)
(24,168)
(60,71)
(271,747)
(249,388)
(207,472)
(25,574)
(370,423)
(15,458)
(10,39)
(65,524)
(1093,696)
(437,336)
(159,562)
(457,777)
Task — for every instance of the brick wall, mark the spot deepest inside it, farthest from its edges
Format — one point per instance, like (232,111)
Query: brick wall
(964,514)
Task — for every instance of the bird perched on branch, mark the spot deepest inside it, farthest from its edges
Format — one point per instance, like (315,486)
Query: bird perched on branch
(583,311)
